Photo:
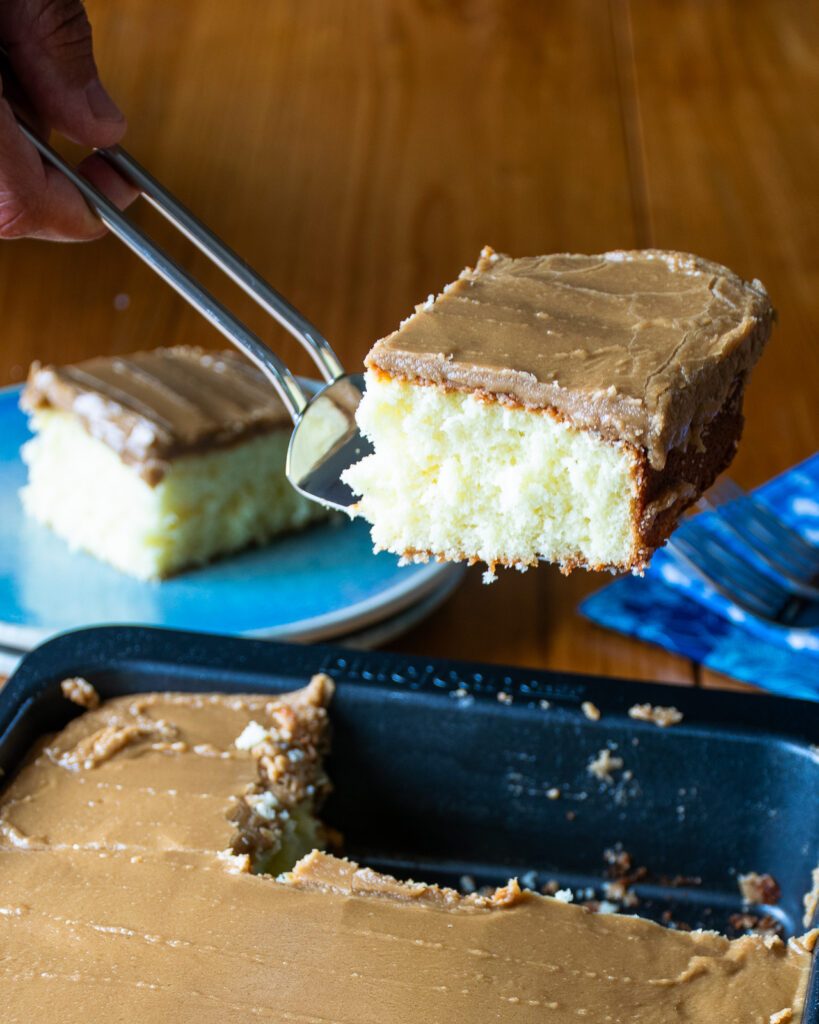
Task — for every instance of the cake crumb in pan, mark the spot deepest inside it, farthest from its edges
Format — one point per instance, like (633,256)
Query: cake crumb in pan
(603,764)
(757,888)
(80,691)
(591,711)
(662,716)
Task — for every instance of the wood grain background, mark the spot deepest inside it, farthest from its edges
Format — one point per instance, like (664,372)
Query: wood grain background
(360,152)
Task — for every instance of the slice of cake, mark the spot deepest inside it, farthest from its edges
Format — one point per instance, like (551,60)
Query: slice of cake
(561,408)
(160,460)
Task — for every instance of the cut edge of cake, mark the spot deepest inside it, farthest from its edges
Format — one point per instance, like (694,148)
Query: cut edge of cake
(267,819)
(277,822)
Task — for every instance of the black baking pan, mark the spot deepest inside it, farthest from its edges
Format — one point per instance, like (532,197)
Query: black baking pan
(447,771)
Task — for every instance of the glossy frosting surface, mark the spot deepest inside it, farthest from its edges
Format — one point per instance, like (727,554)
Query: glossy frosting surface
(151,407)
(640,346)
(122,906)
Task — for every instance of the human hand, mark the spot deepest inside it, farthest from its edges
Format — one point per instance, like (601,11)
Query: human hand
(50,77)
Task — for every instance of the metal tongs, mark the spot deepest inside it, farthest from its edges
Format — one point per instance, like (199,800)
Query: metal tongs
(325,440)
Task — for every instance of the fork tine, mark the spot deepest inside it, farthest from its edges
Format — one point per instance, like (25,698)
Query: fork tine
(712,546)
(690,563)
(797,548)
(723,490)
(793,577)
(767,528)
(693,559)
(776,544)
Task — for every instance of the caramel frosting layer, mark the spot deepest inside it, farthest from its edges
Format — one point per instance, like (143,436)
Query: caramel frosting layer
(185,772)
(152,407)
(167,937)
(117,900)
(640,346)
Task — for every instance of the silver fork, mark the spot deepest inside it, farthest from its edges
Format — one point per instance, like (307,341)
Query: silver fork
(781,598)
(325,439)
(775,543)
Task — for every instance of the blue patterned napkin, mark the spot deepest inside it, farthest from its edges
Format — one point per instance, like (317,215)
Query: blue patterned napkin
(676,610)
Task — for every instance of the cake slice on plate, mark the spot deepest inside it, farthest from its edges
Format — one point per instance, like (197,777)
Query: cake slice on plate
(563,408)
(160,460)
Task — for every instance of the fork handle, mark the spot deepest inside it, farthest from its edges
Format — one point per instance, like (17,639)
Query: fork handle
(292,394)
(228,261)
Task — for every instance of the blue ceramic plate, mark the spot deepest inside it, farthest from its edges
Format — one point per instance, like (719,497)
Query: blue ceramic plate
(313,585)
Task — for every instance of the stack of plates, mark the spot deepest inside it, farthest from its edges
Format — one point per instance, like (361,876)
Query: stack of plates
(322,584)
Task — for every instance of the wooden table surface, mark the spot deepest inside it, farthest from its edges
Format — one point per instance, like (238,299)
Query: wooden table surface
(360,152)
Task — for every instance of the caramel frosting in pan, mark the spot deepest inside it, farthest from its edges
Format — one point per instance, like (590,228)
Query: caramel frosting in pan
(122,898)
(152,407)
(165,937)
(164,772)
(640,346)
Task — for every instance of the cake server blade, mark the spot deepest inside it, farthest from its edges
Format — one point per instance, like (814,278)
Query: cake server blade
(326,439)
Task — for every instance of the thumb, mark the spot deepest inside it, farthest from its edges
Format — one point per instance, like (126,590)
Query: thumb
(49,46)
